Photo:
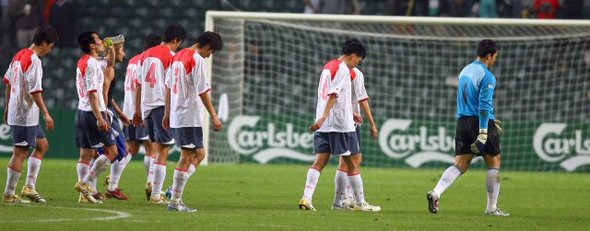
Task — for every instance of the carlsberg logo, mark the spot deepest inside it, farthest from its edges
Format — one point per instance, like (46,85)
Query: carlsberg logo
(268,144)
(551,146)
(397,143)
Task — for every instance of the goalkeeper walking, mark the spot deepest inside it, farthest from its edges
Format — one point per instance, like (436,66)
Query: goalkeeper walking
(478,132)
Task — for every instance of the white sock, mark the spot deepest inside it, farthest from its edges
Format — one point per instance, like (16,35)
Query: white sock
(446,180)
(313,175)
(146,163)
(100,164)
(340,181)
(11,181)
(357,187)
(159,176)
(33,167)
(116,172)
(82,170)
(493,188)
(150,177)
(180,179)
(191,169)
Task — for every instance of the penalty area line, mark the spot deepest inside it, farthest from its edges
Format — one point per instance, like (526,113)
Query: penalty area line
(116,215)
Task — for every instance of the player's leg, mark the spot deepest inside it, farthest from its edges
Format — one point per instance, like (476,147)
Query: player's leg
(321,146)
(163,140)
(356,182)
(493,161)
(29,190)
(190,140)
(119,165)
(23,138)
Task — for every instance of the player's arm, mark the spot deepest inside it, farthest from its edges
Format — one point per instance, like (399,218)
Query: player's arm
(109,75)
(486,91)
(38,98)
(206,99)
(318,124)
(92,86)
(6,101)
(367,110)
(166,118)
(122,116)
(35,88)
(110,58)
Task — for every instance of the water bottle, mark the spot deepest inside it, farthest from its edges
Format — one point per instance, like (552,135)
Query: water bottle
(109,41)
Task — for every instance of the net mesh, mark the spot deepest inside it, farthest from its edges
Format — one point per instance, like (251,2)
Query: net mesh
(269,71)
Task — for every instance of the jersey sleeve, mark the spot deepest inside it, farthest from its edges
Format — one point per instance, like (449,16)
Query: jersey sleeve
(203,84)
(168,76)
(34,77)
(9,74)
(92,78)
(338,81)
(486,92)
(358,85)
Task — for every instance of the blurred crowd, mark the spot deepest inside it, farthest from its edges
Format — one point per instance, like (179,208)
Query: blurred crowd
(20,19)
(543,9)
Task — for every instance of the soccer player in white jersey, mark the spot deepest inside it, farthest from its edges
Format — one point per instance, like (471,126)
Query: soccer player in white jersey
(478,131)
(187,91)
(136,135)
(344,197)
(92,129)
(334,127)
(150,103)
(24,99)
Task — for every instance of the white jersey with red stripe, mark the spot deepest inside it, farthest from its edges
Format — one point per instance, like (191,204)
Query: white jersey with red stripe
(131,77)
(335,80)
(187,81)
(359,93)
(24,76)
(154,64)
(89,78)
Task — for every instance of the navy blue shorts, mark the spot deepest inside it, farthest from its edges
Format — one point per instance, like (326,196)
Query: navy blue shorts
(87,133)
(190,137)
(336,143)
(40,133)
(133,133)
(119,140)
(155,130)
(24,136)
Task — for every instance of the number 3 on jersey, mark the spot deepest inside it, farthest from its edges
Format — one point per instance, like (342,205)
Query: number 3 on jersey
(176,79)
(151,76)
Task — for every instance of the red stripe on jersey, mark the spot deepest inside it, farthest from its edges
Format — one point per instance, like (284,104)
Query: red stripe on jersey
(24,57)
(362,100)
(6,81)
(39,91)
(185,56)
(333,66)
(161,52)
(83,64)
(135,60)
(352,74)
(92,91)
(205,92)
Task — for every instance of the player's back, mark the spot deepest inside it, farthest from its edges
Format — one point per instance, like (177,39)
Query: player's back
(131,77)
(471,79)
(335,79)
(89,78)
(24,76)
(154,63)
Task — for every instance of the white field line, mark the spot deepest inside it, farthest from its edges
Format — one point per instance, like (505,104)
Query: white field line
(116,215)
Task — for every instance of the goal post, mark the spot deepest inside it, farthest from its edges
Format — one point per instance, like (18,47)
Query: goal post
(265,80)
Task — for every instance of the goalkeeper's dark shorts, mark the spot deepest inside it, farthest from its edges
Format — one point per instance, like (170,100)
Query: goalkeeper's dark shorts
(468,130)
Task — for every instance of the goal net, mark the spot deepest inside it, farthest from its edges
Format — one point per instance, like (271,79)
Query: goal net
(265,82)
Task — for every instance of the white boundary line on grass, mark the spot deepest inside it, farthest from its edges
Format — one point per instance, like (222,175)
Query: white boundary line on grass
(117,215)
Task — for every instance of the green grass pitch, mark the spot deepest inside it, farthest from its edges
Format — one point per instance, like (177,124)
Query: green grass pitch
(265,197)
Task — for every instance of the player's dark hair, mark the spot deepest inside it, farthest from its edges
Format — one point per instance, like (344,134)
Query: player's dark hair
(210,38)
(45,34)
(486,46)
(174,31)
(352,40)
(85,39)
(353,47)
(151,40)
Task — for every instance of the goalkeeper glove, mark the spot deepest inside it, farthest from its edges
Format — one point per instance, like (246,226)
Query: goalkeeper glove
(478,146)
(498,124)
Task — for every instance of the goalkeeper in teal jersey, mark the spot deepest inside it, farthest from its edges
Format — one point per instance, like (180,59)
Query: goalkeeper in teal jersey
(478,132)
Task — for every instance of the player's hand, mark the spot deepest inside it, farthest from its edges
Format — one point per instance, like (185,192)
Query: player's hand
(137,121)
(102,124)
(126,121)
(357,118)
(498,124)
(317,125)
(374,132)
(479,144)
(49,125)
(166,122)
(217,126)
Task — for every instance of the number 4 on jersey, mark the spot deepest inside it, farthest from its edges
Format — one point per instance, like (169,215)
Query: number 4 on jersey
(151,76)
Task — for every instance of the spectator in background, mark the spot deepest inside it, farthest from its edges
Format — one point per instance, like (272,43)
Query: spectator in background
(5,27)
(63,19)
(546,9)
(340,7)
(312,6)
(572,9)
(26,15)
(487,9)
(459,8)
